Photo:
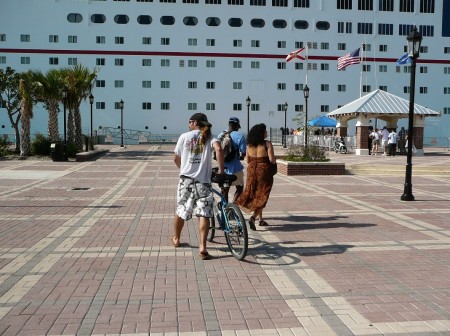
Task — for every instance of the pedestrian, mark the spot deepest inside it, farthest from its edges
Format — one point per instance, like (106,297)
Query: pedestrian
(193,157)
(401,140)
(260,157)
(392,143)
(375,141)
(369,141)
(235,167)
(384,139)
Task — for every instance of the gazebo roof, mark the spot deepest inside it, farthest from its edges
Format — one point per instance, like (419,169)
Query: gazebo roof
(382,103)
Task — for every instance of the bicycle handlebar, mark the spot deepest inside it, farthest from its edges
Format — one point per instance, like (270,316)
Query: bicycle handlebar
(222,179)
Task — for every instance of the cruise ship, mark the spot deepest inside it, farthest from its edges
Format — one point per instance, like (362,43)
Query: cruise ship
(167,59)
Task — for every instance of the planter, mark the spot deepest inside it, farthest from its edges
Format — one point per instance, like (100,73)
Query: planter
(291,168)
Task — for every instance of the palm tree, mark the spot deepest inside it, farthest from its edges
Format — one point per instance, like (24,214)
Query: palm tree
(79,81)
(51,85)
(26,112)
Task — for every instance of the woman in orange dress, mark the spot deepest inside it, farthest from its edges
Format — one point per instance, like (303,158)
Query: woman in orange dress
(259,180)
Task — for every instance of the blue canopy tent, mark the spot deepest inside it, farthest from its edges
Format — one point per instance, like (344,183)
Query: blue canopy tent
(322,121)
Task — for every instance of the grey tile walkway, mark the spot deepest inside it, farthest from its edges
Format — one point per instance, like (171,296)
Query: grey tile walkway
(85,249)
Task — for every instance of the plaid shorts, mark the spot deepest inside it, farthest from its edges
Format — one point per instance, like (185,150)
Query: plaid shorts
(194,197)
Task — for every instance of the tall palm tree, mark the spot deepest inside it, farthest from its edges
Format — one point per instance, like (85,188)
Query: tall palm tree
(79,80)
(50,94)
(26,111)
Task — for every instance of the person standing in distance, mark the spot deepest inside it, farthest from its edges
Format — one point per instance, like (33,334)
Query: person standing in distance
(235,167)
(193,157)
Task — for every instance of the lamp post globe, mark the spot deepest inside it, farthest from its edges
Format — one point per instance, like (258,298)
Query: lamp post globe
(121,122)
(248,101)
(414,40)
(306,96)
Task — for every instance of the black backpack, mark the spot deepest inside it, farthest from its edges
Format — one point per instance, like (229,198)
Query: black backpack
(227,144)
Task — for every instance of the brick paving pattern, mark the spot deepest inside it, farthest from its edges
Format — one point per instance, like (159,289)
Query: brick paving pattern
(85,250)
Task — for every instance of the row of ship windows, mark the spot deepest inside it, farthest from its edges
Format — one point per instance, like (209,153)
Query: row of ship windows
(343,27)
(193,42)
(26,60)
(425,6)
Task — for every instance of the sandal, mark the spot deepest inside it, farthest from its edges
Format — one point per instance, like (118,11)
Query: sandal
(263,223)
(175,244)
(251,223)
(205,255)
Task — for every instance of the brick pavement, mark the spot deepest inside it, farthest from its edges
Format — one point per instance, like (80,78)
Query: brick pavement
(85,249)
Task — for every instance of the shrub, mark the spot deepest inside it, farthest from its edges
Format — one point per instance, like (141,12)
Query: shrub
(308,153)
(40,145)
(4,148)
(71,150)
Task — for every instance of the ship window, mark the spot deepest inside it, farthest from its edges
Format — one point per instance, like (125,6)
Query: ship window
(404,29)
(257,2)
(213,21)
(121,19)
(144,19)
(301,3)
(279,3)
(98,18)
(383,87)
(236,2)
(257,23)
(190,21)
(385,29)
(167,20)
(74,18)
(427,6)
(235,22)
(406,5)
(2,37)
(190,1)
(237,107)
(344,4)
(279,23)
(213,2)
(426,30)
(386,5)
(301,24)
(365,4)
(323,25)
(364,28)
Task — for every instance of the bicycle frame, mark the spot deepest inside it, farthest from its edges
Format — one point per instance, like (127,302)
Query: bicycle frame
(223,220)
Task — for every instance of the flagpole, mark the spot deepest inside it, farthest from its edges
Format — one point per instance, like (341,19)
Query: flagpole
(307,58)
(362,66)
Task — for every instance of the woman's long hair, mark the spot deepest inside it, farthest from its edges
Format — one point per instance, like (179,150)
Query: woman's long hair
(256,135)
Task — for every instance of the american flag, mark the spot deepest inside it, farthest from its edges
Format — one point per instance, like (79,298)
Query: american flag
(350,58)
(295,54)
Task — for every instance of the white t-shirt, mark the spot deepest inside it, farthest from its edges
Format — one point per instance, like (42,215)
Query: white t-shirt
(195,158)
(392,138)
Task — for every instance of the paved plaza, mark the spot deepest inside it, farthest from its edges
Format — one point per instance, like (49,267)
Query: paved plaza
(85,250)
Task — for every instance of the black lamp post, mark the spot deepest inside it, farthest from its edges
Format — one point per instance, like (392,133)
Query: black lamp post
(248,101)
(91,101)
(306,95)
(121,122)
(414,40)
(65,93)
(284,130)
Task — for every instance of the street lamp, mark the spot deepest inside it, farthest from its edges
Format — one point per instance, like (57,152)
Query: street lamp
(414,40)
(91,101)
(121,122)
(248,102)
(306,95)
(284,130)
(65,93)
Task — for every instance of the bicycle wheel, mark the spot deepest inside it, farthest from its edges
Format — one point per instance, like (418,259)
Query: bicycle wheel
(343,150)
(212,229)
(236,234)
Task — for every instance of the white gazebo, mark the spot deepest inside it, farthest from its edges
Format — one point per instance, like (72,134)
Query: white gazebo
(382,105)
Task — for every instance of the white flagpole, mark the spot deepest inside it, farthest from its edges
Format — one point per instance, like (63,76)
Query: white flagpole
(361,53)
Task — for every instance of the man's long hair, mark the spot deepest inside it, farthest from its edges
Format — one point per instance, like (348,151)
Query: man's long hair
(205,134)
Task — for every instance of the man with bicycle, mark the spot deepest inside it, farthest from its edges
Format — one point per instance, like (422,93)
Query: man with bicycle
(193,157)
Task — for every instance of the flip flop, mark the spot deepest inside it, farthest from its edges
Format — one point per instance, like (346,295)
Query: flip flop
(251,223)
(205,255)
(175,244)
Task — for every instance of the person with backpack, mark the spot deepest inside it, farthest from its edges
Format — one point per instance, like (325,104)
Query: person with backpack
(234,148)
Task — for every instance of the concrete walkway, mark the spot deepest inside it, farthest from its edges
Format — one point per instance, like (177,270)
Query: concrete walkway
(85,250)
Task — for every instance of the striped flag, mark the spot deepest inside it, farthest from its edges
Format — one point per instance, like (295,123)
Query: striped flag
(405,59)
(295,54)
(348,59)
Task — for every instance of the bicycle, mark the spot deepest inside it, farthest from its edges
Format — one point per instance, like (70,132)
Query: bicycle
(229,218)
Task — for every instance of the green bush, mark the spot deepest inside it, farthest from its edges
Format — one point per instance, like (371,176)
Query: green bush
(308,153)
(40,145)
(71,150)
(4,149)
